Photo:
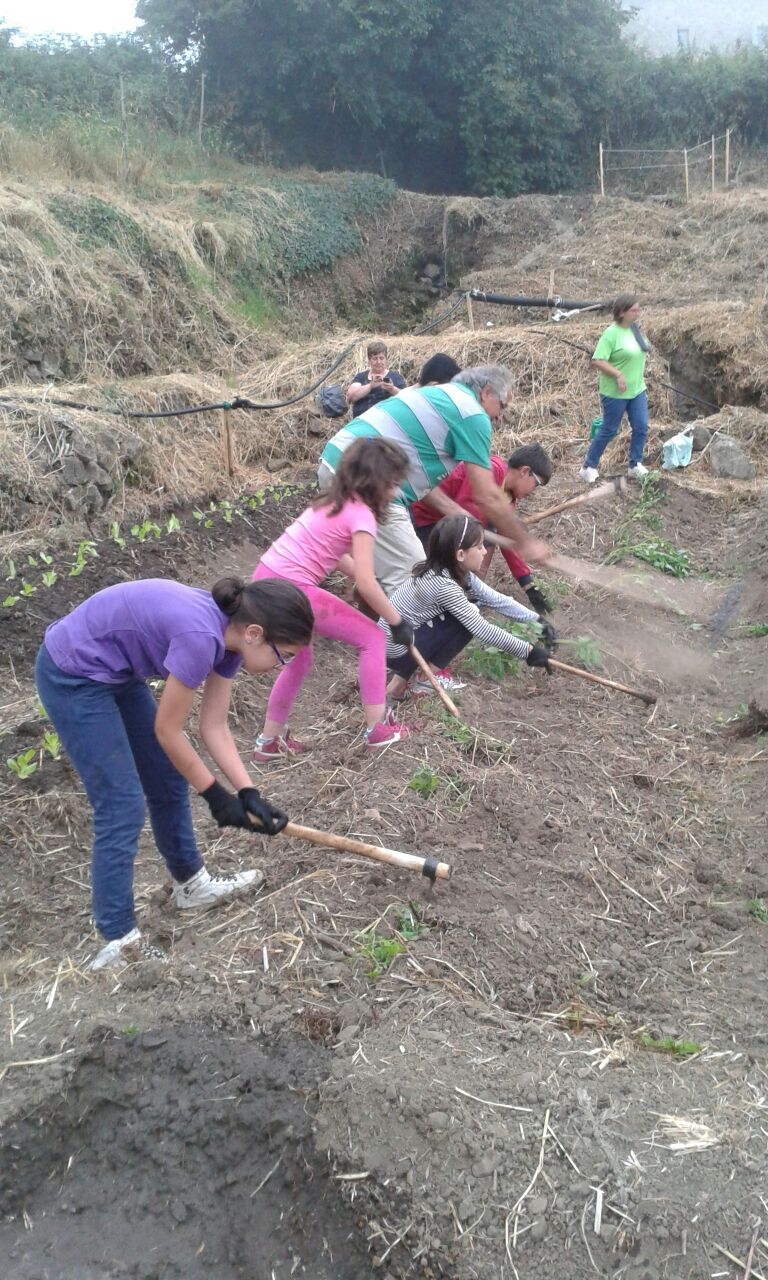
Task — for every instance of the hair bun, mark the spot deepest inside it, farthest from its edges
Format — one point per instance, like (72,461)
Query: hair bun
(228,594)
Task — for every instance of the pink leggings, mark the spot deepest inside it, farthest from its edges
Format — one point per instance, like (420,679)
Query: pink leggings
(335,620)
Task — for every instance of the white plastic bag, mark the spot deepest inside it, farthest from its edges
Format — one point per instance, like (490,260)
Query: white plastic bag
(677,451)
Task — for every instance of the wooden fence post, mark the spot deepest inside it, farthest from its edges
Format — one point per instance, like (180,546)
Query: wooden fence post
(602,173)
(226,440)
(685,168)
(727,155)
(124,131)
(713,162)
(469,314)
(202,110)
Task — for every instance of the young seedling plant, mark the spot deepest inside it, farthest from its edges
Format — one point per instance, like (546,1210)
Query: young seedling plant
(24,764)
(425,781)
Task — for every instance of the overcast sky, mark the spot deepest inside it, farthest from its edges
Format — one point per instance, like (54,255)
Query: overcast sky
(77,17)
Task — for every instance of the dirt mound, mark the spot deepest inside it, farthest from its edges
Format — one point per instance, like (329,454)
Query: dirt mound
(179,1154)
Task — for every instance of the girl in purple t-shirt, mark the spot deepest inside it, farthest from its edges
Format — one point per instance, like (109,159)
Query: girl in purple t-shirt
(337,532)
(91,674)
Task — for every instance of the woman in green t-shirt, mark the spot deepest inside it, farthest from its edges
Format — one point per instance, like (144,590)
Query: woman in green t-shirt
(620,356)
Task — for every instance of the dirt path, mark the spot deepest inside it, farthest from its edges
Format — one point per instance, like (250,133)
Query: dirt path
(554,1065)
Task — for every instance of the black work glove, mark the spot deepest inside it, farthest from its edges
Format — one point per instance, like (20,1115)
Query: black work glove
(402,632)
(227,809)
(548,634)
(270,820)
(537,598)
(539,657)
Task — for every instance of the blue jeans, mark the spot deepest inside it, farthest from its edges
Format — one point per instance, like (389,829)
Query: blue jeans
(108,731)
(613,411)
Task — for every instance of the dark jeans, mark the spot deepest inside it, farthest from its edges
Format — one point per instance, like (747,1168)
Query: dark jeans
(614,409)
(108,731)
(438,642)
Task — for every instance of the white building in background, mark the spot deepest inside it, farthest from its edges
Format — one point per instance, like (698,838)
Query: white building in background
(662,26)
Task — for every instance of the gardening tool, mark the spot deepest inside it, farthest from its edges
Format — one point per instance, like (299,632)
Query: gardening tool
(425,668)
(429,867)
(615,486)
(648,698)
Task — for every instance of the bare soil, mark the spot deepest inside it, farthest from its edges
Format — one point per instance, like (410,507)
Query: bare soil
(556,1064)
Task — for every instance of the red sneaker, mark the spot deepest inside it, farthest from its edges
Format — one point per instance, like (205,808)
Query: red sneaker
(385,732)
(267,750)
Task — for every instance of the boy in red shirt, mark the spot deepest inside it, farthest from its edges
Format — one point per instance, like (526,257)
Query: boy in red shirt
(527,468)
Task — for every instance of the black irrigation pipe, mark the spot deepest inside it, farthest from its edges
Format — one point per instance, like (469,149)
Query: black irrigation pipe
(239,402)
(687,395)
(522,300)
(417,333)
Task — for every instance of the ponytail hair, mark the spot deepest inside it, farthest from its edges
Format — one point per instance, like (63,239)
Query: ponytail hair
(449,536)
(280,608)
(367,471)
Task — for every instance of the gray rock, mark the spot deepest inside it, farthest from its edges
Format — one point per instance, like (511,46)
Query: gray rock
(83,447)
(93,500)
(73,471)
(701,436)
(131,446)
(50,364)
(107,448)
(729,461)
(438,1120)
(98,476)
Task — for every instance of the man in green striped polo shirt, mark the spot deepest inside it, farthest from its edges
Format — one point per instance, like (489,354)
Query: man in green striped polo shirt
(437,427)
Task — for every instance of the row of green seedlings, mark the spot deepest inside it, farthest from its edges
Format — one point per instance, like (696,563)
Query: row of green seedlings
(148,530)
(644,519)
(495,664)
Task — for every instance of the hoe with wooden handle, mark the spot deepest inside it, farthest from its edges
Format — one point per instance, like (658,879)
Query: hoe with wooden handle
(429,867)
(610,489)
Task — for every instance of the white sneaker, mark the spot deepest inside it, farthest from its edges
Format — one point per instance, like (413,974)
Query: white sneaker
(206,890)
(637,471)
(424,686)
(589,474)
(126,950)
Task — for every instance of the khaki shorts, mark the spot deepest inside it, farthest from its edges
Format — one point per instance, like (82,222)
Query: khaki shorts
(397,548)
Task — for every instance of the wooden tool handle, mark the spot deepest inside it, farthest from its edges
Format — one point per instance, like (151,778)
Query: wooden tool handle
(648,698)
(608,490)
(436,685)
(429,867)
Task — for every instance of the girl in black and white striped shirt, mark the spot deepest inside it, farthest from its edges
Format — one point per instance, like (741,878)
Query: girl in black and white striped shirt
(441,600)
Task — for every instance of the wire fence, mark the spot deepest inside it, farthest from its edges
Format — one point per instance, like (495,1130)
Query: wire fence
(687,171)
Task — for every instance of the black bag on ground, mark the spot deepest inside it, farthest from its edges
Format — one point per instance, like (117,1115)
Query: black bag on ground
(332,400)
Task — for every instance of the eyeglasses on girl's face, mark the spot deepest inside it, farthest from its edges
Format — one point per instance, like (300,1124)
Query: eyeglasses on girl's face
(284,659)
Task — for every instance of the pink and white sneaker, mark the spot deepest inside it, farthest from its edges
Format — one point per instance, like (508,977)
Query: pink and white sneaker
(385,732)
(267,750)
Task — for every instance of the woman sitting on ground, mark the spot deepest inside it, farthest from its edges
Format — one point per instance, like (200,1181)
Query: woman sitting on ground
(443,598)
